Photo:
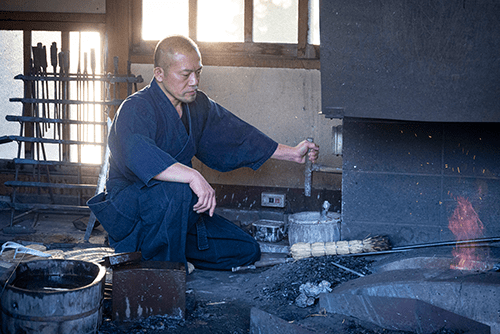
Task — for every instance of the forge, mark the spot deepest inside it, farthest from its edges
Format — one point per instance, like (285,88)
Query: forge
(423,295)
(416,86)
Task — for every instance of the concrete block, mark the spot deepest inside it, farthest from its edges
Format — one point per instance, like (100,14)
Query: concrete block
(402,314)
(265,323)
(469,294)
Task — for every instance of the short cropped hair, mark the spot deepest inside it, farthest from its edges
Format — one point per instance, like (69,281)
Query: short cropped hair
(171,45)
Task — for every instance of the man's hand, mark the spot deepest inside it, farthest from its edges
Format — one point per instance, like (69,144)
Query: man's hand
(184,174)
(205,193)
(297,153)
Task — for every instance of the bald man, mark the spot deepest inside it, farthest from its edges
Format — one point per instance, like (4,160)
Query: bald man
(155,202)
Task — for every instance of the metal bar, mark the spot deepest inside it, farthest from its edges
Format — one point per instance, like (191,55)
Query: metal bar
(12,118)
(73,77)
(51,141)
(449,243)
(51,162)
(48,185)
(436,244)
(114,102)
(60,208)
(347,269)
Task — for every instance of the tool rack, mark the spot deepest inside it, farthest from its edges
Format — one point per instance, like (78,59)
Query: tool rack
(61,110)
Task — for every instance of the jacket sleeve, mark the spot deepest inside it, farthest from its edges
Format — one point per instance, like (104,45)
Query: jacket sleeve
(227,142)
(132,143)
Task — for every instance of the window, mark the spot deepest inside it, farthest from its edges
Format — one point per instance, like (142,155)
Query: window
(263,33)
(275,21)
(80,45)
(19,33)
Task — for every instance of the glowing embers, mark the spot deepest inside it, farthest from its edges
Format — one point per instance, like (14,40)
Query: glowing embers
(466,225)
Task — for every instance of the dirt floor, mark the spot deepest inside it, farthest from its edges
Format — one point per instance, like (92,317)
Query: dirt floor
(224,305)
(221,302)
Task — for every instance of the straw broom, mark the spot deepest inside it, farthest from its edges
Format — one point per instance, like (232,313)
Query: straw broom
(303,250)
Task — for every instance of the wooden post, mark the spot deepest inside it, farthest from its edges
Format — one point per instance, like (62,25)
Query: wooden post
(118,34)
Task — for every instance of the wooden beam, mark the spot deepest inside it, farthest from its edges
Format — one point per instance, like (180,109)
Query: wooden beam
(193,19)
(118,35)
(303,28)
(136,17)
(248,12)
(52,17)
(27,108)
(241,55)
(50,26)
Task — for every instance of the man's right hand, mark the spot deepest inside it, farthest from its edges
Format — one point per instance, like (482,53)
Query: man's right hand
(184,174)
(205,193)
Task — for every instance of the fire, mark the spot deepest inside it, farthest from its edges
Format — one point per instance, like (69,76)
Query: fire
(465,225)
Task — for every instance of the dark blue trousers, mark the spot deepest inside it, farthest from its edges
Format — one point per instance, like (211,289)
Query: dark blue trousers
(218,244)
(159,221)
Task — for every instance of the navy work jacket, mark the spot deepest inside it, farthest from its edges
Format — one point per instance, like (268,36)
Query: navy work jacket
(147,136)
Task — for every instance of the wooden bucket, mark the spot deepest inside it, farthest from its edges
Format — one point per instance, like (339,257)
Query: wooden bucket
(53,296)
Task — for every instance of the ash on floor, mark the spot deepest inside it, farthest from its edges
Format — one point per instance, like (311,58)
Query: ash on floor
(220,302)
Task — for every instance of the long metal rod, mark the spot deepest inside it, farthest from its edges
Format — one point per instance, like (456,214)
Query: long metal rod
(115,102)
(435,244)
(73,77)
(347,269)
(21,119)
(449,243)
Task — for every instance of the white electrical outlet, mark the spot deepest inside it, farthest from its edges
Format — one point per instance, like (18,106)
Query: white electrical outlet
(273,200)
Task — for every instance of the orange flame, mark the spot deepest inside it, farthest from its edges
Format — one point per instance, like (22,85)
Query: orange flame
(465,225)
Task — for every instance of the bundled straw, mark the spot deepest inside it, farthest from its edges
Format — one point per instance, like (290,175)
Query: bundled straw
(303,250)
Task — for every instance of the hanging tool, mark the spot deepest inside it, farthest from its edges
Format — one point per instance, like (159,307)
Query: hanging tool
(53,62)
(117,85)
(79,94)
(61,96)
(45,87)
(92,68)
(85,109)
(38,55)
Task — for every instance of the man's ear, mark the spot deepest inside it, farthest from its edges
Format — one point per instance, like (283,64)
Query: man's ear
(159,73)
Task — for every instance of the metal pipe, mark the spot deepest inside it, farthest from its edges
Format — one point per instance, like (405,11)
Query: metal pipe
(310,168)
(435,244)
(308,173)
(448,243)
(347,269)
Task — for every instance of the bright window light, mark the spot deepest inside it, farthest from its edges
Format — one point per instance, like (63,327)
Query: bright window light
(221,20)
(81,44)
(161,18)
(275,21)
(314,22)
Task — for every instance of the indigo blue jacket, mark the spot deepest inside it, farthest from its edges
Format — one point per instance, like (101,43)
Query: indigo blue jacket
(147,136)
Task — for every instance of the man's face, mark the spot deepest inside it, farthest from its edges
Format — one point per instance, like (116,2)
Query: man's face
(180,80)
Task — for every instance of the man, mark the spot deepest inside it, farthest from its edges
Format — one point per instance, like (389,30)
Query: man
(155,202)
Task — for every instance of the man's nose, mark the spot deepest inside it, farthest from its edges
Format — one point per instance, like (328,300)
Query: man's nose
(194,79)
